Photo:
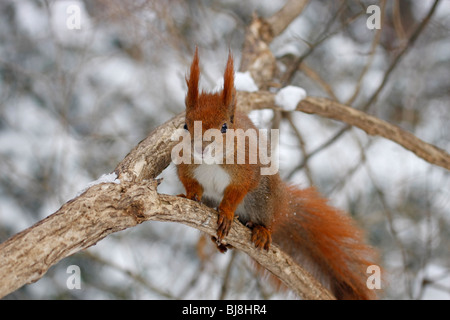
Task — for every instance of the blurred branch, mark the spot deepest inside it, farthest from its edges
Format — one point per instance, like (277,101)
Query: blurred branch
(393,230)
(313,75)
(373,47)
(302,146)
(352,117)
(325,34)
(290,73)
(398,57)
(136,277)
(226,277)
(375,126)
(257,58)
(397,20)
(323,146)
(346,177)
(283,18)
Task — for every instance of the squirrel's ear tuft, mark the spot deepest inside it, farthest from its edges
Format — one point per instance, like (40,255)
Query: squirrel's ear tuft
(192,82)
(229,92)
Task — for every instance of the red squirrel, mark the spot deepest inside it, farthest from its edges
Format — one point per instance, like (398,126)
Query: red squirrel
(322,239)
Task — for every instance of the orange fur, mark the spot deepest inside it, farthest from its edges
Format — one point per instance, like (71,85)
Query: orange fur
(192,82)
(229,91)
(327,236)
(321,238)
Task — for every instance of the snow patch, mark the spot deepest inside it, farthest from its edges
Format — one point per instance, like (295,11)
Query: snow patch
(105,178)
(289,97)
(243,81)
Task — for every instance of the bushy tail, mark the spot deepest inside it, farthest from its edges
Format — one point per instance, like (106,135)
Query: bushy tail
(326,242)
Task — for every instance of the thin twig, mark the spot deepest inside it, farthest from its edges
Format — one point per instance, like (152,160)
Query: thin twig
(136,277)
(398,57)
(390,219)
(374,96)
(366,68)
(320,148)
(302,145)
(226,278)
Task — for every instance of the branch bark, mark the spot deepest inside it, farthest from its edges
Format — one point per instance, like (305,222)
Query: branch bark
(283,18)
(257,58)
(108,208)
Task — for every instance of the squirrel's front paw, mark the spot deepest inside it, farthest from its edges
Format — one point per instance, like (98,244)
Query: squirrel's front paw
(224,223)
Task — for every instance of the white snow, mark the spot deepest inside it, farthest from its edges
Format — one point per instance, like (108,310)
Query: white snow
(105,178)
(288,97)
(243,81)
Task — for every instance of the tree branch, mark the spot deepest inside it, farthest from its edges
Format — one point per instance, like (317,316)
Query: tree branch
(370,124)
(398,57)
(283,18)
(257,58)
(376,127)
(107,208)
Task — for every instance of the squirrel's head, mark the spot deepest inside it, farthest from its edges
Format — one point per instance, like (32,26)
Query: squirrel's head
(214,110)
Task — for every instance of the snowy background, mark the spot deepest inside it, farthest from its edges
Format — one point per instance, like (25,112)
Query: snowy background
(73,102)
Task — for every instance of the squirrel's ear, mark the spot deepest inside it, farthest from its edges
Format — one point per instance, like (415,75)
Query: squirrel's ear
(192,82)
(229,92)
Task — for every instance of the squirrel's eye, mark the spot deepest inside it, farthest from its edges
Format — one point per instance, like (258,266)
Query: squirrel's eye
(224,128)
(185,126)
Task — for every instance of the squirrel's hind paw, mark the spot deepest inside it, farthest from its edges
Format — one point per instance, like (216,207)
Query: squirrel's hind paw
(261,237)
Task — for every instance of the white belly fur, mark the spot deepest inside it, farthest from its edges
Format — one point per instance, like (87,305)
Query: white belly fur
(214,179)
